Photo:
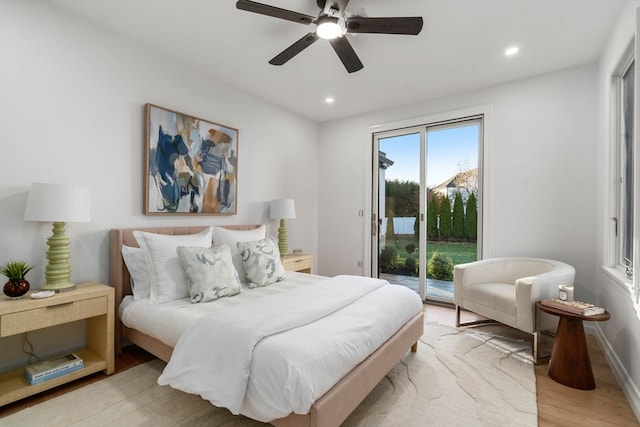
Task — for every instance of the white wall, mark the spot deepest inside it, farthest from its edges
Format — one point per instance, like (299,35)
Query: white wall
(538,178)
(620,336)
(71,110)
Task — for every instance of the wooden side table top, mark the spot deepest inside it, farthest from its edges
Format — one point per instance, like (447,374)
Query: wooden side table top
(564,313)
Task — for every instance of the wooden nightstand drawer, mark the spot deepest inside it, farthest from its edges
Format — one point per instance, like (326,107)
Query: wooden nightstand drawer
(301,263)
(54,314)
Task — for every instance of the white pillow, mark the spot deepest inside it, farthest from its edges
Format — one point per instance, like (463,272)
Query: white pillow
(209,272)
(136,262)
(167,279)
(262,262)
(230,238)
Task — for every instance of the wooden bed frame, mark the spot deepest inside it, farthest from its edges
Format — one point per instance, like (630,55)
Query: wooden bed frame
(329,410)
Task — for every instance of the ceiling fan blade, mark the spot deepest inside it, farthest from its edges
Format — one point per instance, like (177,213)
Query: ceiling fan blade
(346,54)
(402,25)
(327,5)
(276,12)
(294,49)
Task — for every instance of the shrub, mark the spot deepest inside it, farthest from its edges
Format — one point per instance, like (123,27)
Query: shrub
(410,248)
(410,265)
(387,260)
(440,267)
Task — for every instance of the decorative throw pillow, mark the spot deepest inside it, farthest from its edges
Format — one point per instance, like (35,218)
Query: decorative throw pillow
(230,238)
(209,272)
(167,279)
(261,260)
(136,263)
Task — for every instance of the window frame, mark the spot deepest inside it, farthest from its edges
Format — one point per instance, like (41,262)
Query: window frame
(622,220)
(615,267)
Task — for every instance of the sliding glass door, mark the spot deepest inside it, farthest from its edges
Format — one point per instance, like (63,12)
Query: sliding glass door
(426,204)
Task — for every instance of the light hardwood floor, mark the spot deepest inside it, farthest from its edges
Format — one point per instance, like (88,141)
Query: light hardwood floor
(558,405)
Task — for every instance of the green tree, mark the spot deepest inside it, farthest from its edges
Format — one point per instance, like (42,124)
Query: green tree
(445,219)
(471,218)
(457,223)
(390,233)
(405,196)
(432,218)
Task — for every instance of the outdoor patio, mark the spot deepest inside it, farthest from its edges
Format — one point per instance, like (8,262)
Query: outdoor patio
(439,290)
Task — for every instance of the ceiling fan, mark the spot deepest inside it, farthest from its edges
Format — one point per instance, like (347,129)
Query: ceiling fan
(333,24)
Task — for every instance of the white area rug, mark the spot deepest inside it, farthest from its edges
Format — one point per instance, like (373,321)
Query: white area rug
(457,378)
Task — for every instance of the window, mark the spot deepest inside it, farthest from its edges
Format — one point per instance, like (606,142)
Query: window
(626,133)
(625,150)
(425,203)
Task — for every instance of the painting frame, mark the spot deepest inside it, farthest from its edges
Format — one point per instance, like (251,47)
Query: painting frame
(190,164)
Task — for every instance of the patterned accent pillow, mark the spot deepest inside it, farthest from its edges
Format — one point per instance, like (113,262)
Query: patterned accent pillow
(209,272)
(261,260)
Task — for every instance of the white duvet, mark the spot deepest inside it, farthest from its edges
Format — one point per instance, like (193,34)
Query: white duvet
(270,356)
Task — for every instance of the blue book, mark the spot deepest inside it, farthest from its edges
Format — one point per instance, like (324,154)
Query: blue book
(52,375)
(52,368)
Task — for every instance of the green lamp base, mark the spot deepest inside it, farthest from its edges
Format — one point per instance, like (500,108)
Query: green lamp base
(58,271)
(283,238)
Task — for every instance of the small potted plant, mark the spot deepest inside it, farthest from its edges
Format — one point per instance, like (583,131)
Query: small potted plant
(15,271)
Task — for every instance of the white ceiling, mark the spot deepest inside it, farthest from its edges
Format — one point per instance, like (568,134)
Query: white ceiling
(459,49)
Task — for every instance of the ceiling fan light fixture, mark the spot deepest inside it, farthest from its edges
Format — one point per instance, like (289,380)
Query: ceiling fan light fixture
(329,28)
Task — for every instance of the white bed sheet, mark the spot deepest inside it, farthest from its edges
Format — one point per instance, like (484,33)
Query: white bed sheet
(167,321)
(291,370)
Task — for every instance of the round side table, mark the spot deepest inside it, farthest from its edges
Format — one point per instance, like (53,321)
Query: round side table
(570,364)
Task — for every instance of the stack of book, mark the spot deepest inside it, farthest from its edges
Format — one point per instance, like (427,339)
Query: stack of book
(575,307)
(37,373)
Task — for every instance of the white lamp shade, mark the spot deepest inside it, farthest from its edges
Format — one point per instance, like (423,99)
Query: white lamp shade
(282,209)
(57,203)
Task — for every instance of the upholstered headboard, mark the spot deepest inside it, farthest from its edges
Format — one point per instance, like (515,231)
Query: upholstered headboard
(119,275)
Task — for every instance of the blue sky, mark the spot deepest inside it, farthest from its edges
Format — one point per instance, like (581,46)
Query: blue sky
(449,151)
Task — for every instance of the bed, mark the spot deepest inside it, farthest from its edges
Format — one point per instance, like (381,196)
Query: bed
(330,409)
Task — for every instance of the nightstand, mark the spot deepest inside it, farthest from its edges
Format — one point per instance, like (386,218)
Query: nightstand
(91,301)
(301,263)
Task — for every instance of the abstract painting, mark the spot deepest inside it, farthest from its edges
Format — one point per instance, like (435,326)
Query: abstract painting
(190,164)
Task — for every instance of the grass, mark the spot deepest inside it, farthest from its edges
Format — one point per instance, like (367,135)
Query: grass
(458,252)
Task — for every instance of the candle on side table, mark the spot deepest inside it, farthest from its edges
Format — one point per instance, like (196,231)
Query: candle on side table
(565,293)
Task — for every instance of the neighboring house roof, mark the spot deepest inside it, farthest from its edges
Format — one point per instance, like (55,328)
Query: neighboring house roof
(383,160)
(460,180)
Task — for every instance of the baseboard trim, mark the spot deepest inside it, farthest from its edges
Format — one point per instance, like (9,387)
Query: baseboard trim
(628,388)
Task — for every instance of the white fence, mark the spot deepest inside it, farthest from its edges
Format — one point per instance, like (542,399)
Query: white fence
(403,224)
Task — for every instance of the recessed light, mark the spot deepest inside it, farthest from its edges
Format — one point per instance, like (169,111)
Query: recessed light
(511,50)
(329,100)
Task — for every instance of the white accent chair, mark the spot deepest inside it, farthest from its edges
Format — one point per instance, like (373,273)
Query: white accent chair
(506,290)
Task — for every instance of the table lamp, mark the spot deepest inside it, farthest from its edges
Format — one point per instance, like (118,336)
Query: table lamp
(282,209)
(58,203)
